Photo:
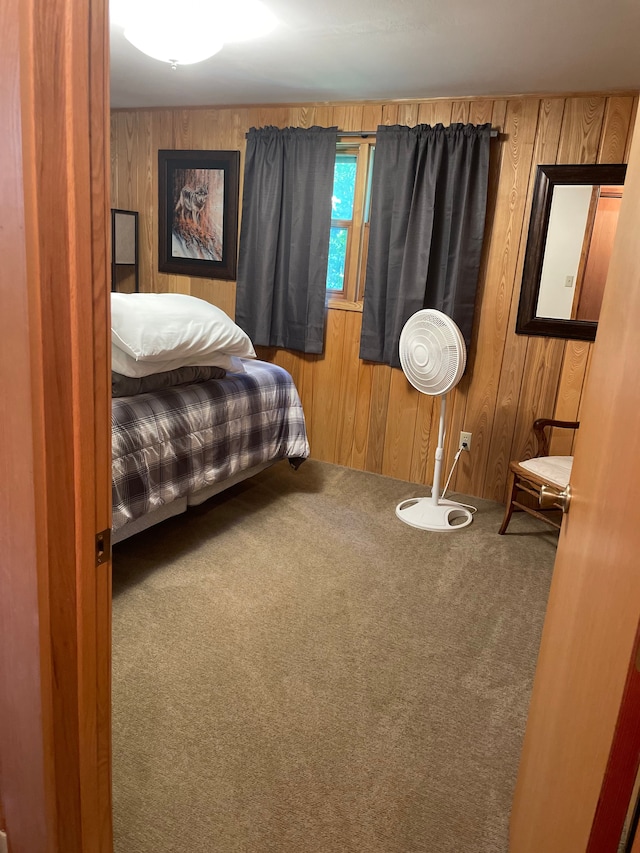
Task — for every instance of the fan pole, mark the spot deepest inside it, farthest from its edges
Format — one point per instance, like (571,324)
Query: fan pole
(437,471)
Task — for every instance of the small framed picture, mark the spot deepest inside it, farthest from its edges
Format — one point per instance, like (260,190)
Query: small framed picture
(198,212)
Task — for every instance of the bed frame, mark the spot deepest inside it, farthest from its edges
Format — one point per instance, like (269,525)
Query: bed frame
(181,505)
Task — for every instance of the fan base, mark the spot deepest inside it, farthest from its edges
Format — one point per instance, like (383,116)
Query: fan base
(423,513)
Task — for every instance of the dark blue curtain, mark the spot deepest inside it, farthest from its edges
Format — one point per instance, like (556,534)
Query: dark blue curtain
(284,238)
(428,204)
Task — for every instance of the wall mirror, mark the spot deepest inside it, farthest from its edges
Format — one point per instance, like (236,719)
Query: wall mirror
(573,223)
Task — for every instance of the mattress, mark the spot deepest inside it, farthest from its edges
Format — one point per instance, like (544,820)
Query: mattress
(170,444)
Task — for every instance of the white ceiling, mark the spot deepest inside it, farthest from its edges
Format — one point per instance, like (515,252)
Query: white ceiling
(337,50)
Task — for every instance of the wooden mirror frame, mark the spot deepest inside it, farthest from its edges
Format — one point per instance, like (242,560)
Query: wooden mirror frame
(547,178)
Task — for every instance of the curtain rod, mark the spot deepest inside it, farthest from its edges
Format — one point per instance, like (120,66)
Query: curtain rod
(365,133)
(494,133)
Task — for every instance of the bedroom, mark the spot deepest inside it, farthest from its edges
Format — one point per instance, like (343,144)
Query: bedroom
(497,406)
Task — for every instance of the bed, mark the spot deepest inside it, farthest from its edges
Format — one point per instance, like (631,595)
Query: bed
(176,446)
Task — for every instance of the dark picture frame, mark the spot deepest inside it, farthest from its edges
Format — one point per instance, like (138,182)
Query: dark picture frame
(198,213)
(547,178)
(124,249)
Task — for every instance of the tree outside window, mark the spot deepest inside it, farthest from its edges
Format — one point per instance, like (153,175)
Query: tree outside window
(349,236)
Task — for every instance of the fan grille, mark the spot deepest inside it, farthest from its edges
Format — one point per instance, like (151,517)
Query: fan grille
(432,352)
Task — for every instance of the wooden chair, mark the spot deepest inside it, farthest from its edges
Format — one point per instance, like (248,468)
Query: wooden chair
(535,475)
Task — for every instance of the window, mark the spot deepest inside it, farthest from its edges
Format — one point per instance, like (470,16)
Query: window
(349,237)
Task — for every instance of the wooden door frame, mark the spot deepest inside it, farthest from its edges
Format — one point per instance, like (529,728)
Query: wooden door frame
(581,746)
(55,762)
(622,767)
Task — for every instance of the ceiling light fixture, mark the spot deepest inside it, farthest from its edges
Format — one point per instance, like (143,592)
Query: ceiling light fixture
(194,30)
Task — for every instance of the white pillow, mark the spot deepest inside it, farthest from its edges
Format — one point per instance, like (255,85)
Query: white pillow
(123,363)
(166,326)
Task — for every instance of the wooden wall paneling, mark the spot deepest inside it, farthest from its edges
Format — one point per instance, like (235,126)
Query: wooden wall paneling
(515,362)
(434,112)
(327,389)
(361,415)
(581,130)
(219,293)
(537,397)
(399,427)
(349,387)
(426,113)
(378,409)
(217,127)
(582,397)
(460,112)
(480,111)
(285,359)
(456,409)
(371,116)
(146,201)
(349,117)
(272,115)
(306,388)
(324,116)
(214,129)
(408,114)
(499,114)
(615,131)
(390,114)
(128,162)
(240,126)
(296,368)
(303,116)
(503,247)
(574,365)
(183,124)
(442,112)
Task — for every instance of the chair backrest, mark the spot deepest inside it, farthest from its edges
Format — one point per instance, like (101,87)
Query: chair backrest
(542,437)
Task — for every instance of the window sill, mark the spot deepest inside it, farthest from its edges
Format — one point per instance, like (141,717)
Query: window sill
(343,305)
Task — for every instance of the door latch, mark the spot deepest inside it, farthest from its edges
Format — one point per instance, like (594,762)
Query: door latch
(103,546)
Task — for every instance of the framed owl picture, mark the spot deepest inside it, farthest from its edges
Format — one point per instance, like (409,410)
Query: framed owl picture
(198,213)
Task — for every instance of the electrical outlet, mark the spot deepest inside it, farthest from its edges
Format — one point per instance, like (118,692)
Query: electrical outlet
(465,440)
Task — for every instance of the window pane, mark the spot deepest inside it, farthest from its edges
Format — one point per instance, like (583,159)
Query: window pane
(337,257)
(367,201)
(344,185)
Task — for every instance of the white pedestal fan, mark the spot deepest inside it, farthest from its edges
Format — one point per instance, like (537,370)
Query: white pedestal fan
(433,357)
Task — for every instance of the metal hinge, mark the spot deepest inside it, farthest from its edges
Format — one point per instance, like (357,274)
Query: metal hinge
(103,546)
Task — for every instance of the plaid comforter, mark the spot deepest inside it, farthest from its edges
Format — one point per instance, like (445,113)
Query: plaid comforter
(172,443)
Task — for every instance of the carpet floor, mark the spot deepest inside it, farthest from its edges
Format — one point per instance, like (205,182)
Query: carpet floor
(297,671)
